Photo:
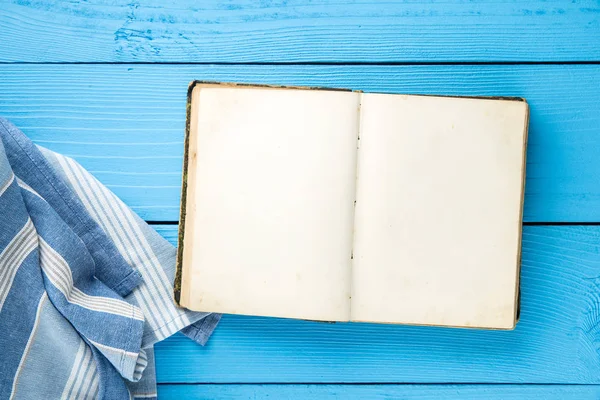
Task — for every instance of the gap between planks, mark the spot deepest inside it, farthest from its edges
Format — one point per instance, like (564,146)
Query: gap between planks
(304,63)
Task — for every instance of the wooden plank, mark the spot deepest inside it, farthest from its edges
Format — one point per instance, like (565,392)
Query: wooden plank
(380,392)
(298,31)
(556,339)
(125,122)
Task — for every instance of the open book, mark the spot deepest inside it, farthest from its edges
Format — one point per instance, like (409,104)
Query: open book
(336,205)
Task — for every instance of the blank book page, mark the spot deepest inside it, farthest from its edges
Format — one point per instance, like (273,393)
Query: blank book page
(274,202)
(438,212)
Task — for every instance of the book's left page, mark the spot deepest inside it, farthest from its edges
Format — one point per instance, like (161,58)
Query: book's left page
(271,177)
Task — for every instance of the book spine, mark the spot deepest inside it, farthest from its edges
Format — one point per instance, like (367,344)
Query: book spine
(182,208)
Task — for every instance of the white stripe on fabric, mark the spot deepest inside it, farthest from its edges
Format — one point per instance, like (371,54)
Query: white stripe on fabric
(176,316)
(7,184)
(86,382)
(140,365)
(133,246)
(13,255)
(144,299)
(143,250)
(28,188)
(91,383)
(80,377)
(155,279)
(58,272)
(29,342)
(94,387)
(145,395)
(74,369)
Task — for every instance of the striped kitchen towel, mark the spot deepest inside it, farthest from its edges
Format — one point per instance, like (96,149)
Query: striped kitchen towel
(85,284)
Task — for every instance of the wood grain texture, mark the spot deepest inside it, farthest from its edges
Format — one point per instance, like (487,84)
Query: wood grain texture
(298,31)
(380,392)
(125,123)
(556,340)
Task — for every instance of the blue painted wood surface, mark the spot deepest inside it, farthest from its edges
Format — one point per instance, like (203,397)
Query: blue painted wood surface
(381,392)
(299,31)
(556,339)
(125,123)
(69,79)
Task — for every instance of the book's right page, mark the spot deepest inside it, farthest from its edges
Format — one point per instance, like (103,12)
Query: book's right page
(439,210)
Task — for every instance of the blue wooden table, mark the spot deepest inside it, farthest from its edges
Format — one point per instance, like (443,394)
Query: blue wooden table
(104,81)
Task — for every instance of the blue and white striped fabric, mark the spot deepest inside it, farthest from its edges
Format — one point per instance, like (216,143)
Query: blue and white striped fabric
(85,284)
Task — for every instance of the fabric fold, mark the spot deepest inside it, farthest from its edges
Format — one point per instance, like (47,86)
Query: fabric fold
(83,273)
(28,163)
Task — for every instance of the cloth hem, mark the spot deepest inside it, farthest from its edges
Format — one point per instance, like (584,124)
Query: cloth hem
(130,282)
(202,330)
